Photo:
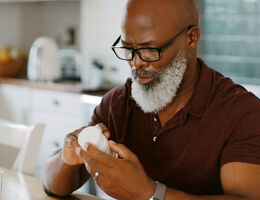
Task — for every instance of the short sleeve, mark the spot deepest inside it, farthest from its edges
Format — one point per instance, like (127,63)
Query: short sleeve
(243,144)
(112,110)
(101,112)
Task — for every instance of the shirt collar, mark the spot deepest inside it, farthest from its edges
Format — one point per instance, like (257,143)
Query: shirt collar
(199,101)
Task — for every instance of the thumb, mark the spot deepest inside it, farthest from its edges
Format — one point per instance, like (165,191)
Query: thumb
(103,128)
(121,150)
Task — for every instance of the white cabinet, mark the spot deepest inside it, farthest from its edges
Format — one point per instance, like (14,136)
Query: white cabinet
(57,126)
(61,112)
(14,101)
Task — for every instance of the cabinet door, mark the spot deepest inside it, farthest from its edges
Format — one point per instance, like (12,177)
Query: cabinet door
(57,126)
(14,100)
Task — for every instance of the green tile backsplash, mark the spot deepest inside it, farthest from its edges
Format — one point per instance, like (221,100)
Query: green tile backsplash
(230,39)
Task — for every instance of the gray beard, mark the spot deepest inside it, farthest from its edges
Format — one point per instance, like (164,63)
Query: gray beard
(161,93)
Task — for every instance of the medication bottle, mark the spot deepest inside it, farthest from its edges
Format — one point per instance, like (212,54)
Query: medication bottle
(93,135)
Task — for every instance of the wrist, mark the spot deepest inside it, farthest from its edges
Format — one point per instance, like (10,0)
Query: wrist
(63,161)
(151,189)
(159,192)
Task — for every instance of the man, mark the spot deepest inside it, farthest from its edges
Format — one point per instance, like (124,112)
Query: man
(176,121)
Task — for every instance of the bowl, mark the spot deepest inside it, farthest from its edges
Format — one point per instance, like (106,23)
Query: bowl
(12,68)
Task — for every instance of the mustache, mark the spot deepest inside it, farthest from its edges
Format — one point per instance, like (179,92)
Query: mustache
(144,73)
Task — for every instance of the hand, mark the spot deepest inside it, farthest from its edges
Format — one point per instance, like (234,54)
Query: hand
(69,155)
(122,178)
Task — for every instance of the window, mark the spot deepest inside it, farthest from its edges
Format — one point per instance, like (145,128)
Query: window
(230,38)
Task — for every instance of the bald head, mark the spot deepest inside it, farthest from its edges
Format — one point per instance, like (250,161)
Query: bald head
(154,23)
(170,14)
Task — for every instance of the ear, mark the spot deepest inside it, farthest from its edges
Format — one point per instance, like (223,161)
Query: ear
(193,37)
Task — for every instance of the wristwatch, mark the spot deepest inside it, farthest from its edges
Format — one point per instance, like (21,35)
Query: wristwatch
(159,191)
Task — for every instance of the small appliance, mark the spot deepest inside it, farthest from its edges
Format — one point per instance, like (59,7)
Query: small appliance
(71,63)
(44,63)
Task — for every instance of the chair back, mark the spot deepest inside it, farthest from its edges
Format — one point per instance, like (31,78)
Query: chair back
(19,146)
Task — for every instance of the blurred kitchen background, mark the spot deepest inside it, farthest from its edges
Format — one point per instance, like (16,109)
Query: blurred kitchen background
(83,32)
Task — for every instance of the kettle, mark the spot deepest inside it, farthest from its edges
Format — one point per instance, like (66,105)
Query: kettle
(43,62)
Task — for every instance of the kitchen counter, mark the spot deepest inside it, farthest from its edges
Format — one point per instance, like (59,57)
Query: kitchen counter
(77,87)
(61,86)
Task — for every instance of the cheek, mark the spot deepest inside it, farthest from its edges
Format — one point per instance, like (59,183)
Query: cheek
(155,67)
(170,53)
(166,59)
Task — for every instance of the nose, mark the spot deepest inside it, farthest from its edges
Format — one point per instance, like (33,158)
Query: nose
(138,62)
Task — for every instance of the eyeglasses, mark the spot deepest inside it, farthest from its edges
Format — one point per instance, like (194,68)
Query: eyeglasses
(146,54)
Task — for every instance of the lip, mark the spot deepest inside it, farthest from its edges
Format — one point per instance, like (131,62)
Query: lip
(145,80)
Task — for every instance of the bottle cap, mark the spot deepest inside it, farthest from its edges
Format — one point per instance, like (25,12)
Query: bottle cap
(93,135)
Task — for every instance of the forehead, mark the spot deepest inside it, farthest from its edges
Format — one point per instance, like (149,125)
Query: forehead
(145,23)
(142,29)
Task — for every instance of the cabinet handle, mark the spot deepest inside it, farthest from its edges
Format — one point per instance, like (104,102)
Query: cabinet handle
(56,102)
(56,144)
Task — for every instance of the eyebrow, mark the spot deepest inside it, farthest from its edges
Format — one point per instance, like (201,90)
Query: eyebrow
(141,44)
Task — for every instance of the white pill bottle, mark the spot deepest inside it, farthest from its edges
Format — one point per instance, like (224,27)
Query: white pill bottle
(93,135)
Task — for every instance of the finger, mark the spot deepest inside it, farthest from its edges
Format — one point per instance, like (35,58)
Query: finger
(77,131)
(74,134)
(103,129)
(71,140)
(70,145)
(98,155)
(121,150)
(91,164)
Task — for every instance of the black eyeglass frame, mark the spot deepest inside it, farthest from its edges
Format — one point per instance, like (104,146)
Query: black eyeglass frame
(159,49)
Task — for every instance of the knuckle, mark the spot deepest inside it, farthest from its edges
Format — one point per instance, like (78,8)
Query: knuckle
(71,141)
(69,138)
(76,132)
(121,146)
(79,151)
(134,157)
(80,129)
(102,127)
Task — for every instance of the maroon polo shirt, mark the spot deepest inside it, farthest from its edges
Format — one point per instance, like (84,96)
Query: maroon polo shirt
(219,124)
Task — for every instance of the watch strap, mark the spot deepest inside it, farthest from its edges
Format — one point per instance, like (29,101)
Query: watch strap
(159,191)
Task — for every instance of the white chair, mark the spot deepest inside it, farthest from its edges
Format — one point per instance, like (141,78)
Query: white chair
(19,146)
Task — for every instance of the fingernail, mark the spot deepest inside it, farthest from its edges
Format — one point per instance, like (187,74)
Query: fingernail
(86,146)
(98,127)
(78,150)
(87,167)
(111,141)
(106,134)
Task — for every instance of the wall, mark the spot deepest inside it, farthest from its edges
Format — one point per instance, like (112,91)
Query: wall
(22,23)
(96,21)
(100,27)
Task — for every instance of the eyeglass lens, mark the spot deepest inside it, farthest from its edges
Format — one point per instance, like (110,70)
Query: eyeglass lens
(145,54)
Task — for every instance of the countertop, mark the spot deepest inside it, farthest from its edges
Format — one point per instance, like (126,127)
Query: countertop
(62,86)
(16,185)
(77,86)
